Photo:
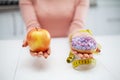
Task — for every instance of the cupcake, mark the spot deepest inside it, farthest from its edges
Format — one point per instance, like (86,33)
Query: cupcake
(84,44)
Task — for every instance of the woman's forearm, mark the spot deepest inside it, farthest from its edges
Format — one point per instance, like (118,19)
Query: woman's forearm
(28,14)
(80,14)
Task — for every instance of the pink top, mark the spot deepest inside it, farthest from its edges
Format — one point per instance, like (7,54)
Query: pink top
(57,16)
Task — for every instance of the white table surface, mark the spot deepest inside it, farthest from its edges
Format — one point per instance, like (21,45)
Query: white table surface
(17,64)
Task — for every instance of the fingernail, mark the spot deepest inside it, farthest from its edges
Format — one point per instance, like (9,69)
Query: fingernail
(90,55)
(41,53)
(80,55)
(84,58)
(48,52)
(45,55)
(35,54)
(86,55)
(23,45)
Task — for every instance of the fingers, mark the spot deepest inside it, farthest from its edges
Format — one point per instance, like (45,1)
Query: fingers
(45,55)
(37,54)
(40,54)
(48,51)
(74,51)
(83,55)
(33,53)
(24,43)
(86,55)
(80,55)
(91,55)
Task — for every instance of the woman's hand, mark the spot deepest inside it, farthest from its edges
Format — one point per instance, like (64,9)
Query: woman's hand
(83,41)
(82,55)
(45,54)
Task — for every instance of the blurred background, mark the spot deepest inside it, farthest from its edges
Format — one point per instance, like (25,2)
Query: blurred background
(103,18)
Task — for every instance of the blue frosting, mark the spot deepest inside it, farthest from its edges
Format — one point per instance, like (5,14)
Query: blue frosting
(83,43)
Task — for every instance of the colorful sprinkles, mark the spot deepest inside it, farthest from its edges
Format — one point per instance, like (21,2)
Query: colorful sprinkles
(83,43)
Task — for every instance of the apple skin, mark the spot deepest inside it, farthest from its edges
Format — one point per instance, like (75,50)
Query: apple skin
(38,39)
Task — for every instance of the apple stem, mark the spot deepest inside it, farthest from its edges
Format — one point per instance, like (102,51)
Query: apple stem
(36,28)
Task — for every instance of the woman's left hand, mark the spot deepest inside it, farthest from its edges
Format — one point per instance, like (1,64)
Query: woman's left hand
(82,55)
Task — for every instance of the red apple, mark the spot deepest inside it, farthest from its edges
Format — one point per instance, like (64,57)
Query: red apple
(38,39)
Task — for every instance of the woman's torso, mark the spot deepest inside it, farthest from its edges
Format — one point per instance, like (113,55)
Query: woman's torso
(55,15)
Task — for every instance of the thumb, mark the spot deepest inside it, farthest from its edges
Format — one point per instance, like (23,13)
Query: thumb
(24,43)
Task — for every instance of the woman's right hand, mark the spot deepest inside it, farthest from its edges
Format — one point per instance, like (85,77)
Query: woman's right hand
(45,54)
